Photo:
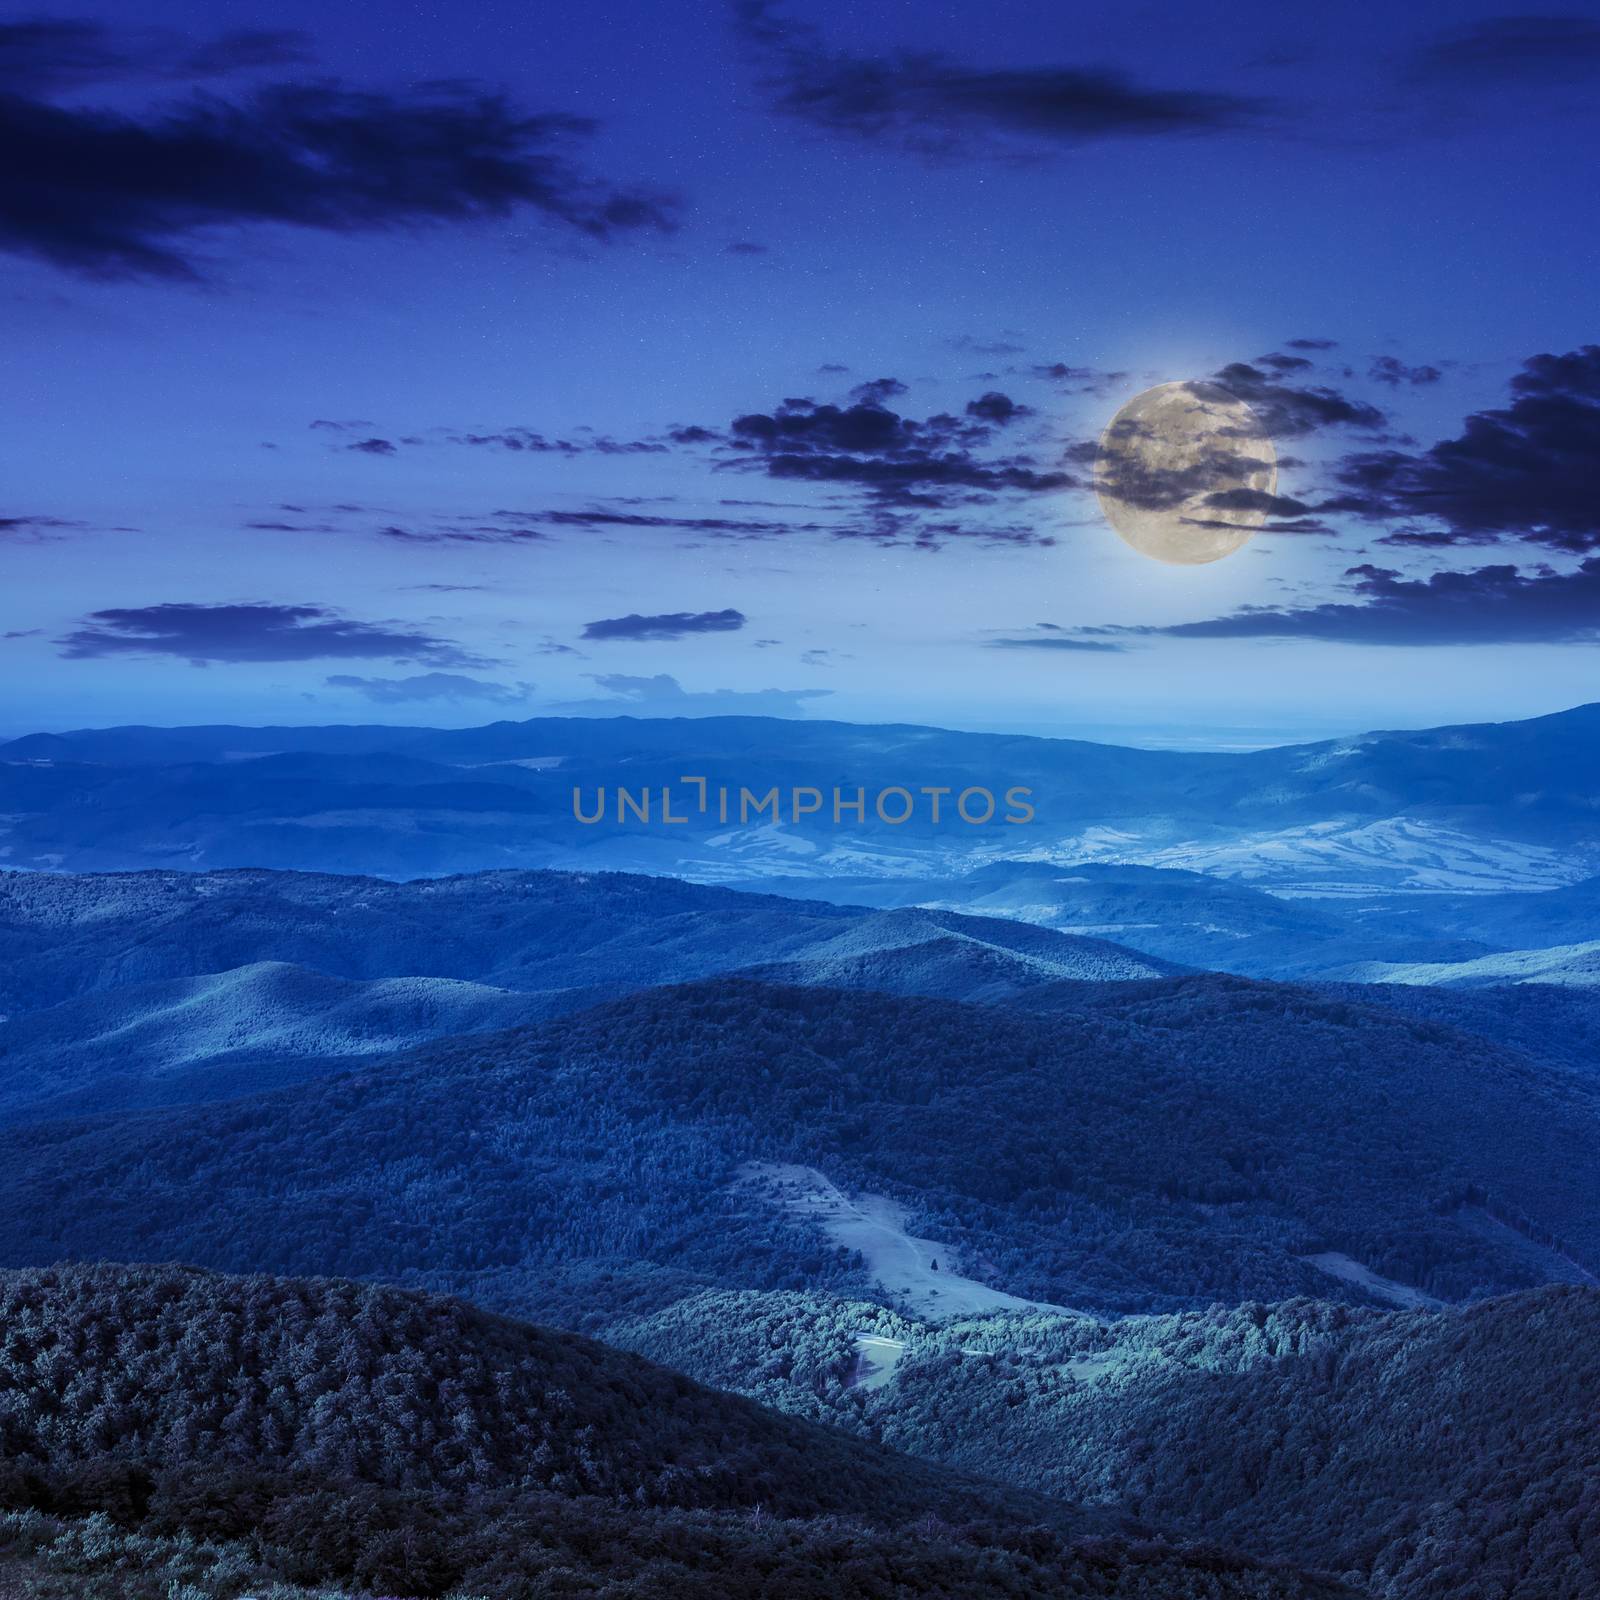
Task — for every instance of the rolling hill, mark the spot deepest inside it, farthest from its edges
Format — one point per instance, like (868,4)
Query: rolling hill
(1136,1146)
(1575,964)
(1192,918)
(1422,1456)
(120,995)
(252,1028)
(408,1445)
(577,935)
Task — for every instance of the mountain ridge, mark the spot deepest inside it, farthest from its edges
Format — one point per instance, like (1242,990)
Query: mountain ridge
(1472,807)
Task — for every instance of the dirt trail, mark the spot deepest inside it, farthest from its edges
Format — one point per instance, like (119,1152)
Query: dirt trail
(1390,1289)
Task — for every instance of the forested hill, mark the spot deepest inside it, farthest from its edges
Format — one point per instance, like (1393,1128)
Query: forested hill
(1425,1455)
(414,1446)
(1146,1147)
(592,933)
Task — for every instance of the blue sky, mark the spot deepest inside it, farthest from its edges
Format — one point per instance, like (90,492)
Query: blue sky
(531,489)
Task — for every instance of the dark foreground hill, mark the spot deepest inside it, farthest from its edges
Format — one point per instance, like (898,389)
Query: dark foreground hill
(1143,1146)
(414,1446)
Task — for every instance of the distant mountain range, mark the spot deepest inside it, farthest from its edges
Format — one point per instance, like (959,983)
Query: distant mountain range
(1477,808)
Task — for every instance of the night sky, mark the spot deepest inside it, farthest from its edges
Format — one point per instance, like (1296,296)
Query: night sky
(445,363)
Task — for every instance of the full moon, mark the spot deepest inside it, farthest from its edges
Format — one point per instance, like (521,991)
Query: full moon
(1184,471)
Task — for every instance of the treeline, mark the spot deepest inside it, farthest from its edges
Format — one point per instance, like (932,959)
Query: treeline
(1423,1456)
(315,1432)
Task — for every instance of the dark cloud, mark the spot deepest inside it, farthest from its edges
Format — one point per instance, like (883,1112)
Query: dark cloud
(119,194)
(1532,50)
(896,460)
(1389,370)
(36,527)
(519,440)
(462,533)
(713,527)
(431,686)
(1280,363)
(1491,605)
(881,525)
(1085,380)
(663,696)
(997,408)
(876,390)
(669,625)
(1523,471)
(1286,411)
(200,634)
(1310,344)
(933,105)
(49,54)
(744,247)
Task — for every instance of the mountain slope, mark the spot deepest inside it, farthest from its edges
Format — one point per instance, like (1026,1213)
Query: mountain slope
(389,966)
(1558,1024)
(534,932)
(413,1446)
(1138,1146)
(252,1028)
(1191,918)
(956,958)
(1576,964)
(1433,1456)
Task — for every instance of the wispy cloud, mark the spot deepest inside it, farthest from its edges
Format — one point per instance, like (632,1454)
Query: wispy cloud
(201,634)
(668,625)
(432,686)
(663,696)
(936,106)
(117,193)
(1490,605)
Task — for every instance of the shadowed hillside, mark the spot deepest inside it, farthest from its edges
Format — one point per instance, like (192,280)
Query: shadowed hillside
(1268,1427)
(1140,1146)
(414,1446)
